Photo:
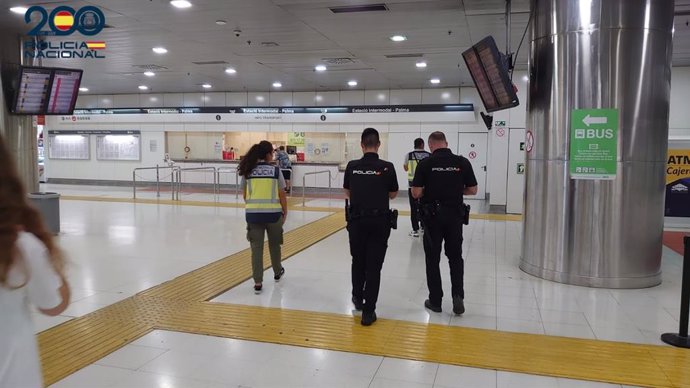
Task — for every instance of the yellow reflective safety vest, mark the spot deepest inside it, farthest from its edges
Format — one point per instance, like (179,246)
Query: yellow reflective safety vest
(262,192)
(413,159)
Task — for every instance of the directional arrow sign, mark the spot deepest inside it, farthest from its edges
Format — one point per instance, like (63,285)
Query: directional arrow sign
(589,120)
(593,143)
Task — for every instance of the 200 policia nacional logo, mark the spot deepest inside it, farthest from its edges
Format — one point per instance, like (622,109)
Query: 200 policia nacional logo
(64,21)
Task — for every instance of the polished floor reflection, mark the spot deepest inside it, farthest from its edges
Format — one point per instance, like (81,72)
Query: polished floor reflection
(119,249)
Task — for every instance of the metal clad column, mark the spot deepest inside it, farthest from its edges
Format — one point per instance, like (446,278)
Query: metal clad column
(18,131)
(598,54)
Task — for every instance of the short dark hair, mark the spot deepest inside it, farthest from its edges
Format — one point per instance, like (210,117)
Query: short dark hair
(370,138)
(437,136)
(282,148)
(418,142)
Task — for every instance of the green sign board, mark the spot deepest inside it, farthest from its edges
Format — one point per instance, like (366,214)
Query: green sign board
(593,143)
(296,139)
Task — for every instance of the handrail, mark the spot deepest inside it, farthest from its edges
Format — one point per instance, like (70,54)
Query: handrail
(158,183)
(229,170)
(209,168)
(304,184)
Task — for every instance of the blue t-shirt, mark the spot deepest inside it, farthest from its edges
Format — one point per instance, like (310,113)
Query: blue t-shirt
(283,159)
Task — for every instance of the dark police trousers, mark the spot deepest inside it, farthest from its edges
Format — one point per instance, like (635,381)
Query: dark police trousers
(368,245)
(446,227)
(414,211)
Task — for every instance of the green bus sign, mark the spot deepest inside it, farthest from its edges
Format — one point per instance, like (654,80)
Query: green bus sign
(593,143)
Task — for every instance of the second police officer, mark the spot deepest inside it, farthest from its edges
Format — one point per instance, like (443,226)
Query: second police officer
(440,182)
(370,183)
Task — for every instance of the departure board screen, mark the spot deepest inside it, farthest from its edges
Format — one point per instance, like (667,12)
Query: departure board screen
(32,91)
(64,91)
(490,75)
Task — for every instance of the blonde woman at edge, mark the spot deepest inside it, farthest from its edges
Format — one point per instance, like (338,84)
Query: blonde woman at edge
(264,193)
(31,271)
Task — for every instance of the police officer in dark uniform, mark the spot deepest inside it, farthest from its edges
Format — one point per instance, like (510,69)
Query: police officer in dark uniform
(370,183)
(440,182)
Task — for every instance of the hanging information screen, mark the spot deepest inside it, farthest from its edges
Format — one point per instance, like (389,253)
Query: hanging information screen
(32,93)
(64,91)
(593,143)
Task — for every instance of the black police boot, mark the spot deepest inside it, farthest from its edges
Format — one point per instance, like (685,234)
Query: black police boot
(368,317)
(458,305)
(358,303)
(436,309)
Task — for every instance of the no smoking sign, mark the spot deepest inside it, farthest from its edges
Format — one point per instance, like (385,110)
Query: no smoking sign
(472,155)
(500,132)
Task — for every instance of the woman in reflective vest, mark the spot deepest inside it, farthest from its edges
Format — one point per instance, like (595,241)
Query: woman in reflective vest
(266,208)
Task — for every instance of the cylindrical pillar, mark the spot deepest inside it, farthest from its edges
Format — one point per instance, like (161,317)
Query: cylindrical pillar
(597,54)
(19,132)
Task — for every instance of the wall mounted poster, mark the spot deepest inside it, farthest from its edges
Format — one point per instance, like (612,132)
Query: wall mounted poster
(678,183)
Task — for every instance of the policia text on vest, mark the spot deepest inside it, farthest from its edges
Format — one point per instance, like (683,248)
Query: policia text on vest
(410,165)
(370,183)
(440,181)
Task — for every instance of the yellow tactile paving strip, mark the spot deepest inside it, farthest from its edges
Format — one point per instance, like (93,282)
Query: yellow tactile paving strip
(182,305)
(293,204)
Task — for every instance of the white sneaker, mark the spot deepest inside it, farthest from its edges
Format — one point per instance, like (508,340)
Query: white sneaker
(414,233)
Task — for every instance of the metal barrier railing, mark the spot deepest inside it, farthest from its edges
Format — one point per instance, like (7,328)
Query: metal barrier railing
(197,169)
(229,170)
(304,183)
(172,169)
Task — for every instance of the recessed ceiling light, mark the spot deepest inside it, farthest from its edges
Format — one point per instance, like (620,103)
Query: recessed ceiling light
(398,38)
(320,68)
(149,73)
(230,70)
(180,3)
(206,86)
(143,87)
(420,64)
(525,78)
(435,81)
(83,89)
(352,83)
(221,22)
(19,10)
(277,85)
(445,95)
(159,50)
(260,98)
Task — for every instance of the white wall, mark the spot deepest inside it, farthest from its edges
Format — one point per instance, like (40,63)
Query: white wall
(107,169)
(399,140)
(679,120)
(499,145)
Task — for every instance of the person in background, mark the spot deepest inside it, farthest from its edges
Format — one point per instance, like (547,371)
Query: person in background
(31,272)
(285,166)
(411,161)
(266,208)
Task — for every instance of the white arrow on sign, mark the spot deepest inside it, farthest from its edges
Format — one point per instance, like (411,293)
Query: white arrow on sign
(589,120)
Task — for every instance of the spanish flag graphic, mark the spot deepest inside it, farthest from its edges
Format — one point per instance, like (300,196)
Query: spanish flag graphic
(63,20)
(95,45)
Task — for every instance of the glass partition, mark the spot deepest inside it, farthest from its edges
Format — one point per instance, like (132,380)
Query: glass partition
(308,147)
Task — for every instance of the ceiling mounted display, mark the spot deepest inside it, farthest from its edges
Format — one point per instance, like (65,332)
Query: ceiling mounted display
(489,71)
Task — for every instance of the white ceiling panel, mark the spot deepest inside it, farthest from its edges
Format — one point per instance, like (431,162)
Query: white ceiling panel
(282,40)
